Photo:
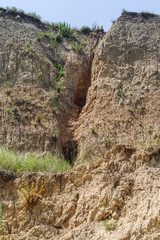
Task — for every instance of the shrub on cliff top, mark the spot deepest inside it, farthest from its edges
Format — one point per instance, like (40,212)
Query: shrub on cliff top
(85,29)
(34,15)
(12,9)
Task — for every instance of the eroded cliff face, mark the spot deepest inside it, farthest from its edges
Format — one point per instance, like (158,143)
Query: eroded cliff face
(105,105)
(123,100)
(43,83)
(123,188)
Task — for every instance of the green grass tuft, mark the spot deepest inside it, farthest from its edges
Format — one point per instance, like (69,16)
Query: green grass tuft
(16,161)
(34,15)
(85,29)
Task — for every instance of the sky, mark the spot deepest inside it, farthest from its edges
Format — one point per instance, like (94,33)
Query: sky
(80,13)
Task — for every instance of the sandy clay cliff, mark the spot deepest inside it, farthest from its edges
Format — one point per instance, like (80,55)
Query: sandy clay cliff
(99,102)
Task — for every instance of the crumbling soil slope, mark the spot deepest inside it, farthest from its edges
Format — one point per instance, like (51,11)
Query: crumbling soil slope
(123,188)
(43,83)
(123,102)
(102,102)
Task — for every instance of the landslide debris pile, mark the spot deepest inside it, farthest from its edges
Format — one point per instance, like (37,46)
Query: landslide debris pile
(85,95)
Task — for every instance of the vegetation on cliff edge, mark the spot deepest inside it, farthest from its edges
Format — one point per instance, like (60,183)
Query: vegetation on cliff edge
(30,161)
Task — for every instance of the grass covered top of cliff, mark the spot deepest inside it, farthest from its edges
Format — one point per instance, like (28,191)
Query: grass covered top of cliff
(19,14)
(134,15)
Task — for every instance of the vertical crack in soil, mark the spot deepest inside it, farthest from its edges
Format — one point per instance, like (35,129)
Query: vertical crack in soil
(69,147)
(82,89)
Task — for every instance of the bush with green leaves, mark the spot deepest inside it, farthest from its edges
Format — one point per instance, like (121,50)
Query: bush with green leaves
(18,17)
(85,29)
(96,27)
(77,47)
(9,84)
(15,9)
(52,24)
(58,37)
(40,35)
(40,74)
(15,110)
(12,9)
(60,87)
(61,73)
(124,10)
(34,15)
(49,34)
(66,31)
(53,44)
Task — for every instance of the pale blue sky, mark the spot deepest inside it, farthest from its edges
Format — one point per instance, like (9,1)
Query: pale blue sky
(83,12)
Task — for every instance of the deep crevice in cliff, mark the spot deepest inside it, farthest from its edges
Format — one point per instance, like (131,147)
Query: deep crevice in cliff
(69,147)
(82,88)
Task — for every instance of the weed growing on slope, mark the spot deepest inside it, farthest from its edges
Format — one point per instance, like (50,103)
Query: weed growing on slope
(38,118)
(85,29)
(53,44)
(107,141)
(49,34)
(93,129)
(61,73)
(77,47)
(16,161)
(57,132)
(60,87)
(109,225)
(40,35)
(124,10)
(66,31)
(34,15)
(12,9)
(40,74)
(58,37)
(9,84)
(18,17)
(30,194)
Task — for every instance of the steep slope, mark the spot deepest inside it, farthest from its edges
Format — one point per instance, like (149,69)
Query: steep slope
(43,82)
(123,103)
(102,102)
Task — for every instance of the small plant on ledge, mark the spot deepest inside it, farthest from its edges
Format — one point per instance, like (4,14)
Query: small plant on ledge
(30,194)
(109,225)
